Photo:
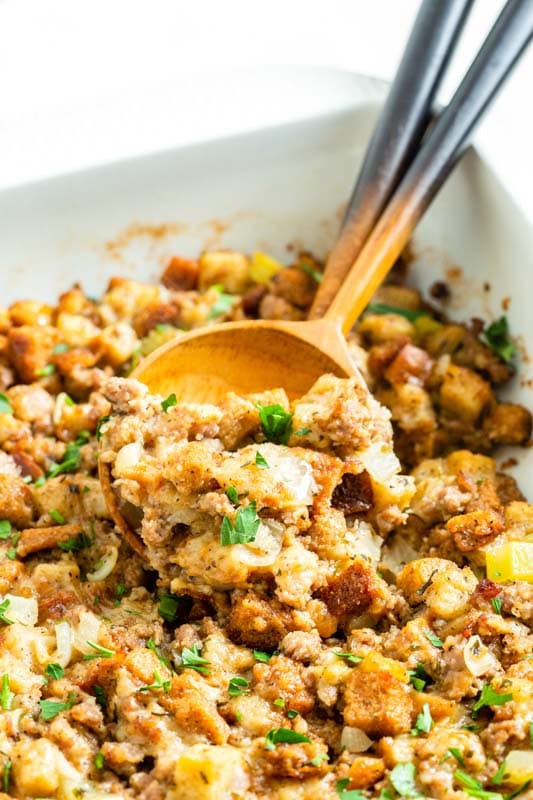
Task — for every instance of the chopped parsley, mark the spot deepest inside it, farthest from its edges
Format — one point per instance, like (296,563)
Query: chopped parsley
(284,736)
(71,461)
(453,752)
(500,774)
(402,778)
(260,655)
(496,336)
(6,695)
(168,607)
(101,421)
(424,721)
(151,645)
(490,697)
(11,553)
(497,603)
(341,787)
(237,686)
(99,760)
(419,678)
(276,423)
(57,516)
(75,543)
(120,590)
(5,405)
(54,671)
(244,529)
(433,638)
(349,657)
(302,431)
(191,659)
(83,437)
(318,759)
(51,708)
(292,713)
(279,702)
(169,402)
(5,529)
(223,304)
(99,694)
(260,461)
(7,775)
(99,651)
(158,683)
(4,605)
(309,270)
(62,347)
(473,787)
(46,371)
(408,313)
(232,495)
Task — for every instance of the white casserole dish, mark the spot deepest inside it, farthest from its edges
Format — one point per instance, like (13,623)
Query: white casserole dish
(272,188)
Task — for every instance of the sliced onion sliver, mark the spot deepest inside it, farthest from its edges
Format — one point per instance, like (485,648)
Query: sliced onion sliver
(87,630)
(107,565)
(22,609)
(64,637)
(354,740)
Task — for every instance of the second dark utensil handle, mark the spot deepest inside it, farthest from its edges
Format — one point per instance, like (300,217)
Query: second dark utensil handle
(398,132)
(439,153)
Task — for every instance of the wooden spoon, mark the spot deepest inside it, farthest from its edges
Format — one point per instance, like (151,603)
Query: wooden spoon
(256,355)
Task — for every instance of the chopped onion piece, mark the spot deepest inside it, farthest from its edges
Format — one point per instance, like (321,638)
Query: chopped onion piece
(22,609)
(63,654)
(127,457)
(354,740)
(265,548)
(87,630)
(106,567)
(478,658)
(519,766)
(397,553)
(380,461)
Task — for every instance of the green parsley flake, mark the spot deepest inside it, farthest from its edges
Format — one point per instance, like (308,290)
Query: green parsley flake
(500,774)
(318,759)
(62,347)
(341,787)
(191,659)
(496,336)
(260,655)
(223,304)
(302,431)
(424,721)
(6,695)
(75,543)
(7,775)
(169,402)
(158,683)
(57,516)
(5,405)
(99,424)
(4,605)
(99,694)
(168,607)
(349,657)
(51,708)
(453,752)
(46,371)
(71,462)
(244,529)
(5,529)
(408,313)
(151,645)
(99,651)
(260,461)
(490,697)
(99,760)
(309,270)
(232,495)
(433,638)
(473,787)
(284,736)
(402,778)
(54,671)
(237,686)
(11,554)
(497,603)
(276,423)
(419,678)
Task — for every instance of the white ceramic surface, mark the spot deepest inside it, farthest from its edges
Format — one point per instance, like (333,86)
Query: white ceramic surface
(268,189)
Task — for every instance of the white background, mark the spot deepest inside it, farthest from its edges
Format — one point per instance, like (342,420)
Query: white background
(87,81)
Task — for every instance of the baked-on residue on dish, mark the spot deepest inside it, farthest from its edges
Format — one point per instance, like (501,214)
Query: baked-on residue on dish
(336,599)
